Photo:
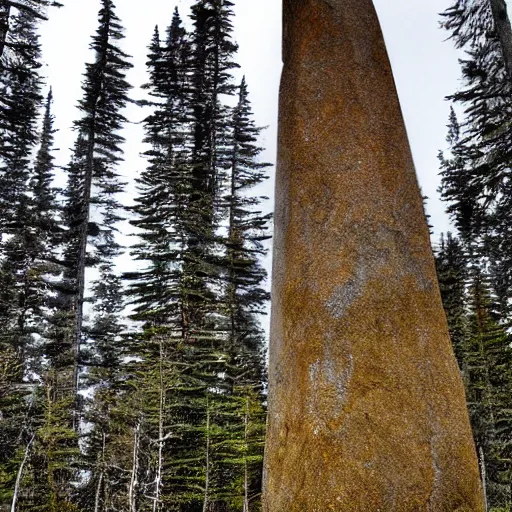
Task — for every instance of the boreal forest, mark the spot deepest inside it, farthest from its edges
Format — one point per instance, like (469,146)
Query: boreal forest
(144,389)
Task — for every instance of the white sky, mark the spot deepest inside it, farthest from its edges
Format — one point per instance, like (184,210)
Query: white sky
(425,67)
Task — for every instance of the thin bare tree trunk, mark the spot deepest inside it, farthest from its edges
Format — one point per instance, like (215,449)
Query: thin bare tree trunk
(246,448)
(100,479)
(161,406)
(207,476)
(78,305)
(504,31)
(483,473)
(83,232)
(134,482)
(20,475)
(98,492)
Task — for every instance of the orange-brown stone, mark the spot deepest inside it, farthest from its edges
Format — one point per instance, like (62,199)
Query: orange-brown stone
(366,407)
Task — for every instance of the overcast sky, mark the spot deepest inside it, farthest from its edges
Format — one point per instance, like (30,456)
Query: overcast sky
(425,67)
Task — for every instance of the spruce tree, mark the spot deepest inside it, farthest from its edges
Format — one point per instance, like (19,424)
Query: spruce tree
(476,185)
(105,375)
(20,99)
(452,273)
(32,256)
(212,62)
(245,301)
(157,290)
(482,347)
(213,54)
(93,180)
(489,364)
(475,176)
(176,296)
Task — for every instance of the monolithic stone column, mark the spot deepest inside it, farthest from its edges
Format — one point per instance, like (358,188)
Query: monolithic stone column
(367,409)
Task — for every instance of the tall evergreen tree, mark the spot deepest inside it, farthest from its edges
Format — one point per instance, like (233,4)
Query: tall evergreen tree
(156,289)
(200,417)
(475,176)
(475,182)
(105,379)
(489,365)
(245,302)
(482,347)
(31,255)
(93,180)
(452,273)
(212,62)
(20,99)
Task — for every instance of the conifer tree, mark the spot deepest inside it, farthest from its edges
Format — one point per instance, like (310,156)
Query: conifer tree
(475,176)
(105,376)
(157,291)
(212,62)
(213,54)
(200,417)
(489,364)
(452,273)
(245,301)
(476,185)
(31,255)
(482,347)
(37,9)
(247,230)
(177,351)
(93,180)
(20,99)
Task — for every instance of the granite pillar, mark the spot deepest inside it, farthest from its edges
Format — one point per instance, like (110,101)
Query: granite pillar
(366,404)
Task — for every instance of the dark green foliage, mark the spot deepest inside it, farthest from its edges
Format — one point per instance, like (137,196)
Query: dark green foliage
(483,351)
(489,362)
(165,412)
(27,267)
(198,294)
(476,174)
(475,182)
(92,213)
(96,155)
(106,373)
(247,230)
(452,272)
(169,293)
(20,99)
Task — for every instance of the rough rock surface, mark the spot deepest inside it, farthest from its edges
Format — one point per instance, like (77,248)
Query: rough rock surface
(367,408)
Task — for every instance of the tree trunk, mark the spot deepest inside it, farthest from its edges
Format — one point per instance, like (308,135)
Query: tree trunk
(98,493)
(246,448)
(83,233)
(101,477)
(20,474)
(78,305)
(134,482)
(504,31)
(207,462)
(483,474)
(161,440)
